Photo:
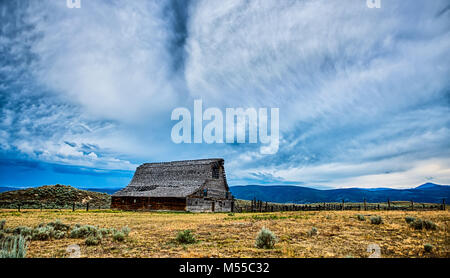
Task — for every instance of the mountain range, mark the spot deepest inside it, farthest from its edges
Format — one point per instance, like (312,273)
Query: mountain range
(426,193)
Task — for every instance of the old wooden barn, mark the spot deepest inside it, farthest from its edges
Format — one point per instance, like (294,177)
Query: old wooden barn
(190,185)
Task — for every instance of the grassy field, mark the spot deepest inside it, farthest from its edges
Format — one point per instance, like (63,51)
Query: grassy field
(340,233)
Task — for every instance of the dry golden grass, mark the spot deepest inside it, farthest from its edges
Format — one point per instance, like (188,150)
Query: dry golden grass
(340,234)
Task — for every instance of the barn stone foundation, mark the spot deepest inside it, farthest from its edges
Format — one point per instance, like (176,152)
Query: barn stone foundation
(209,205)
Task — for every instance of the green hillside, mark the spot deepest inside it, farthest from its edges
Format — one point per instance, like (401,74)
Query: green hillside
(54,196)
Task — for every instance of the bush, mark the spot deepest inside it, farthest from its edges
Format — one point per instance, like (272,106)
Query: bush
(186,237)
(119,236)
(84,231)
(360,217)
(2,224)
(14,247)
(8,230)
(376,220)
(59,226)
(428,247)
(417,224)
(409,219)
(105,231)
(126,230)
(312,232)
(93,240)
(59,235)
(265,239)
(2,235)
(43,233)
(429,225)
(23,231)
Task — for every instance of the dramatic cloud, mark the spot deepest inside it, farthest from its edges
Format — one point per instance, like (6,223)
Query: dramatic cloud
(363,93)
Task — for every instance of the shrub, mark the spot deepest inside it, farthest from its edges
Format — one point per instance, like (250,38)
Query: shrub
(23,231)
(84,231)
(14,247)
(43,233)
(126,230)
(119,236)
(93,240)
(428,247)
(409,219)
(185,237)
(59,234)
(312,232)
(59,226)
(2,235)
(429,225)
(265,239)
(376,220)
(105,231)
(360,217)
(417,224)
(8,230)
(2,224)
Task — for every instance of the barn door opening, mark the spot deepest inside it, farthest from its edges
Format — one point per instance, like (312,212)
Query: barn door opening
(213,206)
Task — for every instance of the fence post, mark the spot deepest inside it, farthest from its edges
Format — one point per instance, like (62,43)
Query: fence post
(41,206)
(343,204)
(412,205)
(365,204)
(73,206)
(389,204)
(87,206)
(443,204)
(18,207)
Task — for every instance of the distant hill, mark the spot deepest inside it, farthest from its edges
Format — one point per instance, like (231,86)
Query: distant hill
(107,190)
(56,196)
(3,189)
(426,193)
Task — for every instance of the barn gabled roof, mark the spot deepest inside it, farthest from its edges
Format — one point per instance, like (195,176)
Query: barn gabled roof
(169,179)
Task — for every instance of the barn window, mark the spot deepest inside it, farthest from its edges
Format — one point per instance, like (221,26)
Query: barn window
(135,201)
(215,172)
(205,192)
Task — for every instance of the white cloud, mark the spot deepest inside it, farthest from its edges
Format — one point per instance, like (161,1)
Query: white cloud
(110,58)
(363,93)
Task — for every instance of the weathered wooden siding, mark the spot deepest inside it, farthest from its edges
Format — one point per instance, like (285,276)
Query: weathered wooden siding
(148,203)
(209,205)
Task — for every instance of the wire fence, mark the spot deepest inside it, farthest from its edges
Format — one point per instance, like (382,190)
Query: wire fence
(243,206)
(260,206)
(53,206)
